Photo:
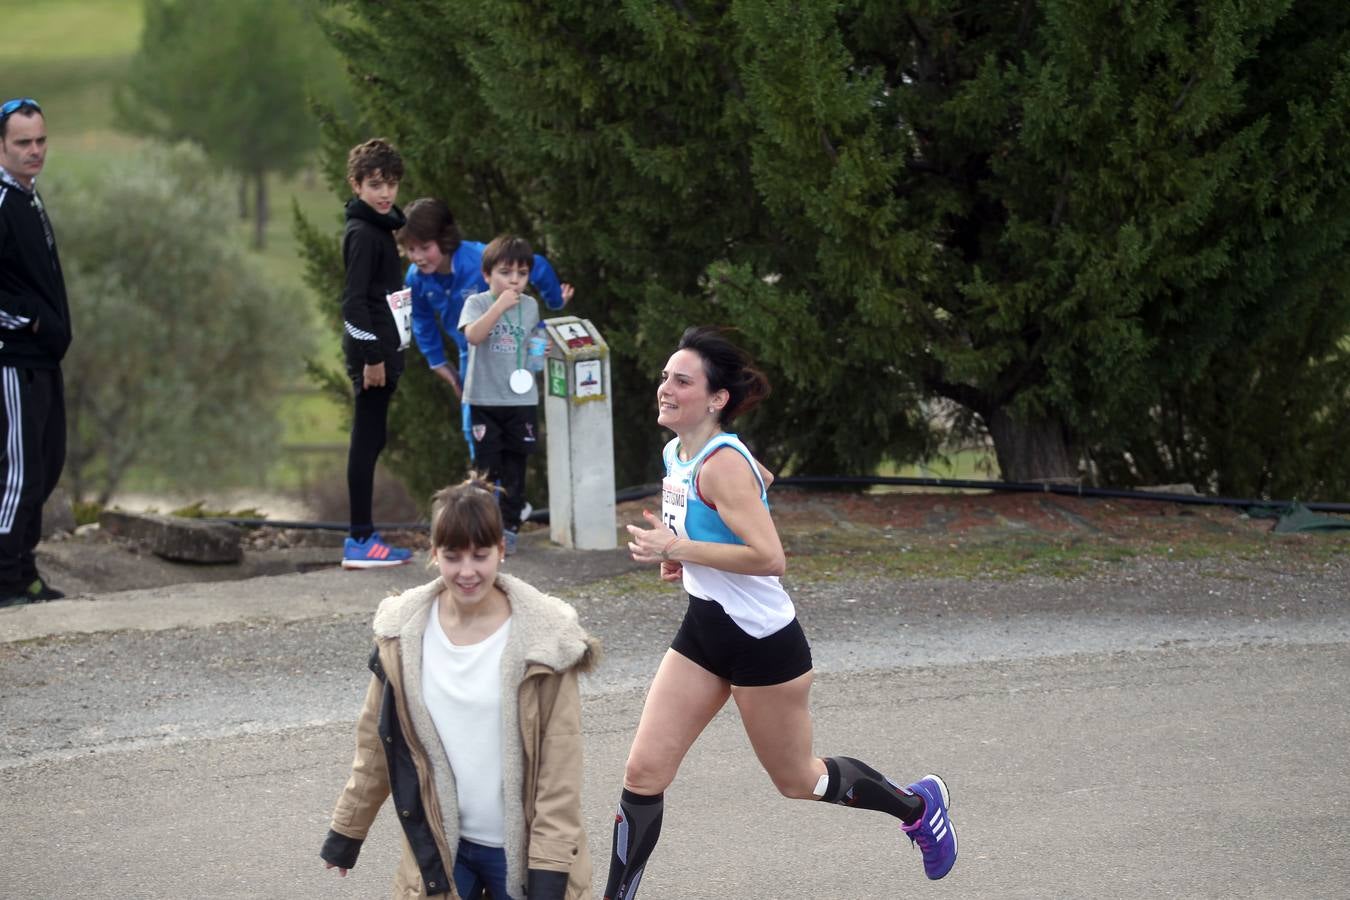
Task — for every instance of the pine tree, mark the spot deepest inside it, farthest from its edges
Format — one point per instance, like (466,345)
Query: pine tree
(1057,215)
(1073,220)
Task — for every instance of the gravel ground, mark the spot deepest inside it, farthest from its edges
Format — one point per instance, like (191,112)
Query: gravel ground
(70,694)
(1039,576)
(155,737)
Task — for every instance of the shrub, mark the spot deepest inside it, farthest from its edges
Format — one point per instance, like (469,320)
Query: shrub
(181,345)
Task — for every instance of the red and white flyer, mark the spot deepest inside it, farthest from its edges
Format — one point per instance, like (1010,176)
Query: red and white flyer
(400,304)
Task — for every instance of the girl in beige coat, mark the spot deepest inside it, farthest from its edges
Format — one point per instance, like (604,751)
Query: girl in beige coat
(485,811)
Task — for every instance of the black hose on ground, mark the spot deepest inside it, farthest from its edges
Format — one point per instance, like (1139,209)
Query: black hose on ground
(639,492)
(1068,490)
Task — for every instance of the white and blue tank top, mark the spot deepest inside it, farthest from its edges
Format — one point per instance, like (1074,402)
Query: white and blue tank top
(757,603)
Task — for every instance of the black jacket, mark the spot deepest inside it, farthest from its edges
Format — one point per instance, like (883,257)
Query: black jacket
(370,256)
(32,288)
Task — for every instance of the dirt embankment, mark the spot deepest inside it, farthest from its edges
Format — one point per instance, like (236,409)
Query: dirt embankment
(812,523)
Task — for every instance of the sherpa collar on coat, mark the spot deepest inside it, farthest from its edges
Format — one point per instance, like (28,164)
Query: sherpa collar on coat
(544,631)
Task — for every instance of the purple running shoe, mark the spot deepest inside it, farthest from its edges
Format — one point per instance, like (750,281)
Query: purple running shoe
(935,833)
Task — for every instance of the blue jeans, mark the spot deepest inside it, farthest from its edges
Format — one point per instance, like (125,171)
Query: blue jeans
(464,423)
(479,868)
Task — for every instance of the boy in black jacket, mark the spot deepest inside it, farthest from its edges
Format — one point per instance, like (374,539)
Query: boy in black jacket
(371,341)
(34,335)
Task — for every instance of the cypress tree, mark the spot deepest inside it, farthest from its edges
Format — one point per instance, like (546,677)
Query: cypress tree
(1113,235)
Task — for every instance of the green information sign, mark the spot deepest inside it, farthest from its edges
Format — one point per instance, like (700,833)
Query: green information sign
(557,378)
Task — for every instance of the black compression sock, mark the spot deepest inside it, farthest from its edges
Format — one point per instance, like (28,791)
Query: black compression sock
(637,825)
(854,783)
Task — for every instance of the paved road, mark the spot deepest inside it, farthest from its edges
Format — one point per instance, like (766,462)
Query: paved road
(1157,729)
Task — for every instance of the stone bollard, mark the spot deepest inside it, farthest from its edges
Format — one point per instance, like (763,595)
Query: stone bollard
(180,540)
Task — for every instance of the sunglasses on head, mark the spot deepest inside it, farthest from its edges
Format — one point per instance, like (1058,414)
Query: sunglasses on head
(18,103)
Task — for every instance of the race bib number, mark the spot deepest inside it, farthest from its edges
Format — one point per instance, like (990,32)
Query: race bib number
(400,304)
(674,497)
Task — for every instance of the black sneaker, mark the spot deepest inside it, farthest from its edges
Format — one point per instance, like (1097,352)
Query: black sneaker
(41,591)
(37,591)
(15,600)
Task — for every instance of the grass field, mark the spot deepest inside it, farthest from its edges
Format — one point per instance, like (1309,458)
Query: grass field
(965,464)
(73,57)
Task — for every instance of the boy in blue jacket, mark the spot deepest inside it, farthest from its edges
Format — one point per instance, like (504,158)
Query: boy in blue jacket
(445,271)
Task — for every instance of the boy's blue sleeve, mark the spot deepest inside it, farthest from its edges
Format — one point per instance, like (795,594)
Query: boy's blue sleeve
(544,278)
(458,334)
(426,330)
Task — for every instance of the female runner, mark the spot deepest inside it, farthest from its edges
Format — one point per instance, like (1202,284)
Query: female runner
(740,637)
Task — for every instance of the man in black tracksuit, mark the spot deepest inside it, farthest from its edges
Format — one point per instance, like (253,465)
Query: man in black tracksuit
(34,335)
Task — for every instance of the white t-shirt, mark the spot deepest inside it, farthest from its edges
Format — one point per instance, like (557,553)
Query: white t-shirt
(461,686)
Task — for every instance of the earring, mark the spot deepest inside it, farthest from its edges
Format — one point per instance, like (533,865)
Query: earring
(711,410)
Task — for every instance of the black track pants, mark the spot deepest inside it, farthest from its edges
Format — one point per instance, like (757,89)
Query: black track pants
(370,425)
(33,426)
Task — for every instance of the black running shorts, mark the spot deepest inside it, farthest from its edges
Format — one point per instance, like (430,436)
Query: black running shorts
(712,640)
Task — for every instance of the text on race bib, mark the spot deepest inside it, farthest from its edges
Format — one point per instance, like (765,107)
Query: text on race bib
(674,498)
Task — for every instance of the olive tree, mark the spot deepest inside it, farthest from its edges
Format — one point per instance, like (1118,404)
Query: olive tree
(182,344)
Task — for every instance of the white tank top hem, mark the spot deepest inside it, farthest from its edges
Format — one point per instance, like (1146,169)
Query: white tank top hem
(756,603)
